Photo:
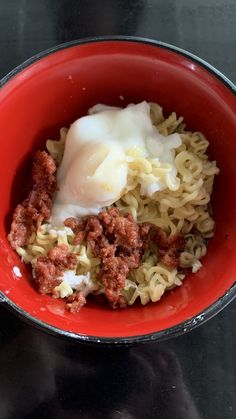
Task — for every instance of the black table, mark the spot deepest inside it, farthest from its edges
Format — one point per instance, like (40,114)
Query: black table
(189,377)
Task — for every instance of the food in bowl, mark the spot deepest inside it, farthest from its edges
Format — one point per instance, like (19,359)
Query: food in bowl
(119,207)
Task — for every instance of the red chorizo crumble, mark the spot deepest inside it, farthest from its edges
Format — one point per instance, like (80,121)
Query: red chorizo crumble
(48,269)
(169,247)
(37,207)
(120,243)
(75,301)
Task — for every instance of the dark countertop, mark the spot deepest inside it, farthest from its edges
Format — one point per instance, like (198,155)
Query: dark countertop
(189,377)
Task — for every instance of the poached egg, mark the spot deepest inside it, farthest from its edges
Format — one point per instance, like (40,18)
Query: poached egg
(94,169)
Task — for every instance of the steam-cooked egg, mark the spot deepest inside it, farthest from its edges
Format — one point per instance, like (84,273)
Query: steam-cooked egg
(96,175)
(94,168)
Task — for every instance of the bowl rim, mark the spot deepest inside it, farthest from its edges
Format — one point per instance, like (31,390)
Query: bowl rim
(123,38)
(161,335)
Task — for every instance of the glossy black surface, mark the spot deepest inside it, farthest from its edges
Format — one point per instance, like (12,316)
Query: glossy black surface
(189,377)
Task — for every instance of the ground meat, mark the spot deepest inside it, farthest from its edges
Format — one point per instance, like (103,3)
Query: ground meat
(75,302)
(46,275)
(72,223)
(123,228)
(62,258)
(49,268)
(21,228)
(120,243)
(38,205)
(169,247)
(78,227)
(43,171)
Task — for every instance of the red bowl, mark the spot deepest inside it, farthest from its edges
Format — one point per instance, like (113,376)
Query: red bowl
(54,88)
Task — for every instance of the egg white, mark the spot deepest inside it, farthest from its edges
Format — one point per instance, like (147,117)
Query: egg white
(94,169)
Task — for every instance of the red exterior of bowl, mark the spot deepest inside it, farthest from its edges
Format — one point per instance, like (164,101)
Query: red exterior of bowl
(52,92)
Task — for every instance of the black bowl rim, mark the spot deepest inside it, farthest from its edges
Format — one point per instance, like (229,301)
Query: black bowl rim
(161,335)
